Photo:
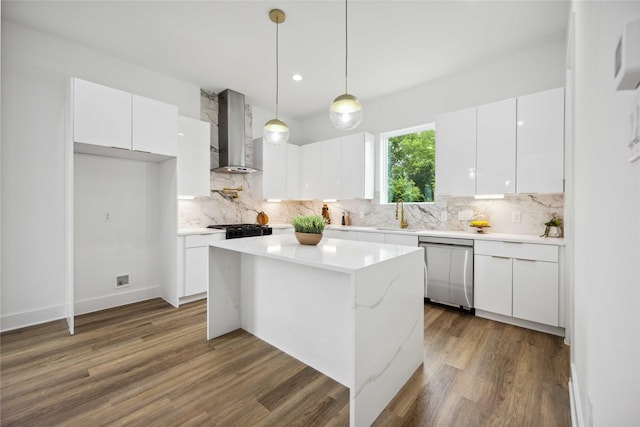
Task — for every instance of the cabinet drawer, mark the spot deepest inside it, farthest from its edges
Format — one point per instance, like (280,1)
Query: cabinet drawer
(531,251)
(197,240)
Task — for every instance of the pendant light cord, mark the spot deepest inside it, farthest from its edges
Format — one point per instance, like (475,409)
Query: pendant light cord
(277,66)
(346,44)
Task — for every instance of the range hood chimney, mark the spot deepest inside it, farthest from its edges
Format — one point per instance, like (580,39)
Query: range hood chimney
(231,136)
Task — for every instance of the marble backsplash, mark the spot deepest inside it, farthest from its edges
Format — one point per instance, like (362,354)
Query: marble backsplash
(534,209)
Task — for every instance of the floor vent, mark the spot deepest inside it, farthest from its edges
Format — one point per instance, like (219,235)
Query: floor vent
(122,281)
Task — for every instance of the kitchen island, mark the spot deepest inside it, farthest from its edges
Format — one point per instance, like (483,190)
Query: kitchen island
(351,310)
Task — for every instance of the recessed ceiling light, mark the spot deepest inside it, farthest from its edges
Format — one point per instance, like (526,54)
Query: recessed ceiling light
(297,77)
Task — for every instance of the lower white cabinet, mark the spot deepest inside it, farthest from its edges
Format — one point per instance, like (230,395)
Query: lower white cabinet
(519,280)
(375,237)
(493,284)
(193,263)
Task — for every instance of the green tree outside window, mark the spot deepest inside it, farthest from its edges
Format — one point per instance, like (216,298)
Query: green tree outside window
(412,167)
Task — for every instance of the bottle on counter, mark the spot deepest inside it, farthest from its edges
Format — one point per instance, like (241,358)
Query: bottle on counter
(344,220)
(347,220)
(325,213)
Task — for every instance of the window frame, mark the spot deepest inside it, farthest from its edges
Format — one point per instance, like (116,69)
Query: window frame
(384,159)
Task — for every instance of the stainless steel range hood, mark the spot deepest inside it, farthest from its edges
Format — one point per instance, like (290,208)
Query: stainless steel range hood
(231,136)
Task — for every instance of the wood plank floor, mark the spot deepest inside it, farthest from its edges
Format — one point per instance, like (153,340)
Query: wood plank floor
(150,364)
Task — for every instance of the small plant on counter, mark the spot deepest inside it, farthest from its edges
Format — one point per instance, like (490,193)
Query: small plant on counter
(553,227)
(313,224)
(554,221)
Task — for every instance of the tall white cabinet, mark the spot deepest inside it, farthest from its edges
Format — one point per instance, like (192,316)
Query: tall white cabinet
(456,153)
(193,157)
(496,148)
(540,136)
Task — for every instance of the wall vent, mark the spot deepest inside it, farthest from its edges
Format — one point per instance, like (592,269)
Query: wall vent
(122,281)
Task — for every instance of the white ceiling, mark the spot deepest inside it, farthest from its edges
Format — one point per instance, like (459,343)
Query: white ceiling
(393,45)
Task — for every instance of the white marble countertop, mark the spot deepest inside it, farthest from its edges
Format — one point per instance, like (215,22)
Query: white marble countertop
(346,256)
(488,235)
(503,237)
(191,231)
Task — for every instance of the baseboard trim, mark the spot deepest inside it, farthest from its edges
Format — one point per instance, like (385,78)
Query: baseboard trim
(11,322)
(192,298)
(574,395)
(124,297)
(540,327)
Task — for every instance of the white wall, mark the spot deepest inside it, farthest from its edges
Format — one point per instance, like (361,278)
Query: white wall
(527,72)
(127,244)
(35,73)
(606,342)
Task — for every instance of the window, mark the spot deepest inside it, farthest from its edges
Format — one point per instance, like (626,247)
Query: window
(408,165)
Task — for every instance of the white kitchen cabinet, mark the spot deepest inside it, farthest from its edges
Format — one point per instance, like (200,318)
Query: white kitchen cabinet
(283,230)
(518,280)
(333,233)
(154,126)
(540,135)
(193,157)
(330,169)
(364,236)
(356,166)
(311,171)
(111,118)
(456,153)
(493,284)
(193,264)
(293,172)
(535,291)
(496,148)
(401,239)
(274,174)
(101,115)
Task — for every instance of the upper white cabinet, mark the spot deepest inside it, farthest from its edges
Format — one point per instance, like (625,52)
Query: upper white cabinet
(330,169)
(154,126)
(540,134)
(107,117)
(310,173)
(356,166)
(496,148)
(101,115)
(293,172)
(456,153)
(193,157)
(274,174)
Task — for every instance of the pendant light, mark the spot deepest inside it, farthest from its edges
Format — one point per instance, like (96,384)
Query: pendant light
(346,111)
(275,130)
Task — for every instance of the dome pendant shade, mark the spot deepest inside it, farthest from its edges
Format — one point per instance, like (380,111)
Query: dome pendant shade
(346,112)
(275,132)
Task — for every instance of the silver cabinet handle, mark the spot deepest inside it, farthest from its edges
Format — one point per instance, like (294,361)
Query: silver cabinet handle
(500,257)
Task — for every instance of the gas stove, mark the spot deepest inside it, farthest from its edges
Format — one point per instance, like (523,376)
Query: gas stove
(235,231)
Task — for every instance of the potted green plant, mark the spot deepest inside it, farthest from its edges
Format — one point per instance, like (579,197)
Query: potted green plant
(308,229)
(553,227)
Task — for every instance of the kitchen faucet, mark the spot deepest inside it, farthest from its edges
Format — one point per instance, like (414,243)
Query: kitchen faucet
(233,192)
(403,223)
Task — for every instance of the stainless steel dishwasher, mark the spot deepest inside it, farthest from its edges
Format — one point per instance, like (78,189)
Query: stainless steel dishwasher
(449,263)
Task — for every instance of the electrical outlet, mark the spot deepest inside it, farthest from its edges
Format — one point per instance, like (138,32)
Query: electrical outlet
(515,216)
(443,216)
(465,215)
(106,216)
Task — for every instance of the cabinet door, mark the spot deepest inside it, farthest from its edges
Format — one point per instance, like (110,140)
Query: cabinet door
(330,169)
(356,166)
(193,157)
(311,171)
(101,115)
(535,291)
(540,156)
(456,153)
(274,174)
(492,284)
(196,270)
(401,239)
(496,148)
(293,172)
(155,126)
(369,237)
